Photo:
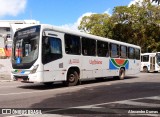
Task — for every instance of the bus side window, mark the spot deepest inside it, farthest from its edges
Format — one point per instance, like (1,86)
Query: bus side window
(102,49)
(137,54)
(145,58)
(51,49)
(88,47)
(131,53)
(46,46)
(72,44)
(123,51)
(114,48)
(142,58)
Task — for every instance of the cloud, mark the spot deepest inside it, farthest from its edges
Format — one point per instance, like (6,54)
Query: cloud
(108,12)
(134,2)
(75,25)
(140,1)
(12,7)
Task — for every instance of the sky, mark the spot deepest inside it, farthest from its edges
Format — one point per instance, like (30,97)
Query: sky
(64,13)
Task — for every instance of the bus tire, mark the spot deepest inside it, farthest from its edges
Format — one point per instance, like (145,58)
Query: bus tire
(145,69)
(72,78)
(121,74)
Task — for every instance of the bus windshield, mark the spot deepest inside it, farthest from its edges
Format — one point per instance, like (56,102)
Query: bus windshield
(25,47)
(158,58)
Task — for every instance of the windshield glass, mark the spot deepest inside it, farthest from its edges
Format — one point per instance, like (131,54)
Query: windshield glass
(158,58)
(25,47)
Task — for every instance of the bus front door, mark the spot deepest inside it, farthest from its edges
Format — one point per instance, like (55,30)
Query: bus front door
(152,64)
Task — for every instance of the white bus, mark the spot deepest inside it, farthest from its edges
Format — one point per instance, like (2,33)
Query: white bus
(150,62)
(46,54)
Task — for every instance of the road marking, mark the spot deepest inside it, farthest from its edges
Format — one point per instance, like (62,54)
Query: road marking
(51,90)
(134,103)
(94,107)
(130,101)
(154,98)
(6,94)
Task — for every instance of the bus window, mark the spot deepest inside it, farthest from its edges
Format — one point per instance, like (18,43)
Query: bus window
(88,47)
(114,48)
(27,49)
(145,58)
(18,50)
(72,44)
(158,58)
(123,51)
(102,49)
(137,54)
(131,53)
(51,49)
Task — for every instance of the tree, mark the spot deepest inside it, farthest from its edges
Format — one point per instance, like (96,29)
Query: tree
(138,24)
(97,24)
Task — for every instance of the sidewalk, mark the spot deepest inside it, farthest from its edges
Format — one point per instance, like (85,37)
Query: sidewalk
(5,69)
(5,77)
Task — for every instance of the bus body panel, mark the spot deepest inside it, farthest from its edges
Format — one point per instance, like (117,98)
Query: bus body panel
(150,61)
(89,66)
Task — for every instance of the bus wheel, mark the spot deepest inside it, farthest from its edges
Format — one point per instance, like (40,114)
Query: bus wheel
(121,74)
(145,69)
(72,78)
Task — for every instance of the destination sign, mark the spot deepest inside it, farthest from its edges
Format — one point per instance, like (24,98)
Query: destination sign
(28,31)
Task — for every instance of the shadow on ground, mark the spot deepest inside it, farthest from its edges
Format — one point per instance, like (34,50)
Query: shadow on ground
(39,86)
(62,103)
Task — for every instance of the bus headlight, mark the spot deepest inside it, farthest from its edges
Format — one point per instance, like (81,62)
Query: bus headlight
(34,69)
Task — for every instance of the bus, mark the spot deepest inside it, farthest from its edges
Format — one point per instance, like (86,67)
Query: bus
(49,54)
(150,62)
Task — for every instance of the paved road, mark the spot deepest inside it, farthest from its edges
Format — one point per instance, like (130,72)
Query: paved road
(135,96)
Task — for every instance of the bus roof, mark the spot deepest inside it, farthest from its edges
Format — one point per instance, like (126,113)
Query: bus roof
(82,34)
(154,53)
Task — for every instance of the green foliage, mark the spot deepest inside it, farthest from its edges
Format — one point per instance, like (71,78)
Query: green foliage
(97,24)
(138,24)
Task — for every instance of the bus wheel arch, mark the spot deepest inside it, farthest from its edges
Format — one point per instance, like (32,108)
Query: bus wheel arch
(122,73)
(145,69)
(73,76)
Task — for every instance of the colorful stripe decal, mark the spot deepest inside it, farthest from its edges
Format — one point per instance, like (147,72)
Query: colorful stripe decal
(117,63)
(19,71)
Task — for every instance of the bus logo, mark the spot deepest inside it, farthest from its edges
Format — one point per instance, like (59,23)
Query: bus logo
(117,63)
